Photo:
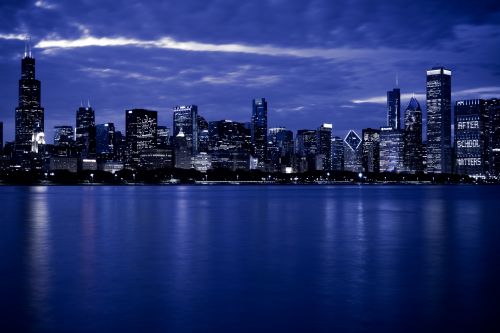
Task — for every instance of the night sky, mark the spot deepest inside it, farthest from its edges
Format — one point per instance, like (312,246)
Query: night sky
(315,61)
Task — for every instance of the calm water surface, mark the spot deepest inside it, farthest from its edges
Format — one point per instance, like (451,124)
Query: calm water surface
(250,259)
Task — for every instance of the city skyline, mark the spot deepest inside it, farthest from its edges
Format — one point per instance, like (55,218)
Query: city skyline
(334,67)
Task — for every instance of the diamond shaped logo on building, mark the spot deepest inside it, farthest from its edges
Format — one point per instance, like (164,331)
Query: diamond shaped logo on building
(352,140)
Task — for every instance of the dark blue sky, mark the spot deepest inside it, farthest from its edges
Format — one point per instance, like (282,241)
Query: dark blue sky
(315,61)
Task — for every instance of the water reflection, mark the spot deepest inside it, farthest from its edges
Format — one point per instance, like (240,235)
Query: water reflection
(39,246)
(190,258)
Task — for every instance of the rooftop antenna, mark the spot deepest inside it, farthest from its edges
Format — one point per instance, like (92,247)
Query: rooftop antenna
(26,46)
(81,103)
(88,102)
(29,47)
(397,80)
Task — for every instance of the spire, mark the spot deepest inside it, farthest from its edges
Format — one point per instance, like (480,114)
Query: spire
(88,102)
(29,47)
(397,80)
(26,47)
(81,103)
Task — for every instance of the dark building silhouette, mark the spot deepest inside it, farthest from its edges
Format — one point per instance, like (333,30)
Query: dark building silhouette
(394,108)
(182,151)
(141,132)
(163,137)
(337,154)
(493,108)
(413,154)
(229,144)
(471,138)
(439,120)
(324,144)
(259,131)
(306,148)
(1,137)
(63,135)
(279,149)
(186,118)
(371,150)
(29,116)
(85,131)
(105,141)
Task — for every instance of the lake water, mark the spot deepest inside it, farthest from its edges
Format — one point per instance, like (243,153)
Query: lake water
(250,258)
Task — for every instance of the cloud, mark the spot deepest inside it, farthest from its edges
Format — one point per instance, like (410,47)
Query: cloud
(243,75)
(383,99)
(45,4)
(13,36)
(88,40)
(480,92)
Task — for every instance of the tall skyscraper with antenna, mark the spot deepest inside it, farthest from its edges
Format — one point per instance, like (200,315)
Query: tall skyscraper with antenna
(394,107)
(29,117)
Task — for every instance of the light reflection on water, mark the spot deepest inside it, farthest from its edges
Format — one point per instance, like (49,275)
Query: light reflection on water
(39,251)
(192,258)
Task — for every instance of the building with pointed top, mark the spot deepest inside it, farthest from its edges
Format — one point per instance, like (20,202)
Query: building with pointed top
(413,151)
(29,115)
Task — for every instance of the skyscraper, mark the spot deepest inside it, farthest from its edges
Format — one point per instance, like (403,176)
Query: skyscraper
(306,148)
(337,154)
(259,131)
(352,152)
(182,151)
(141,132)
(85,131)
(439,120)
(493,109)
(29,113)
(471,138)
(394,108)
(186,118)
(391,149)
(279,148)
(163,137)
(371,150)
(324,143)
(63,135)
(1,136)
(413,154)
(105,141)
